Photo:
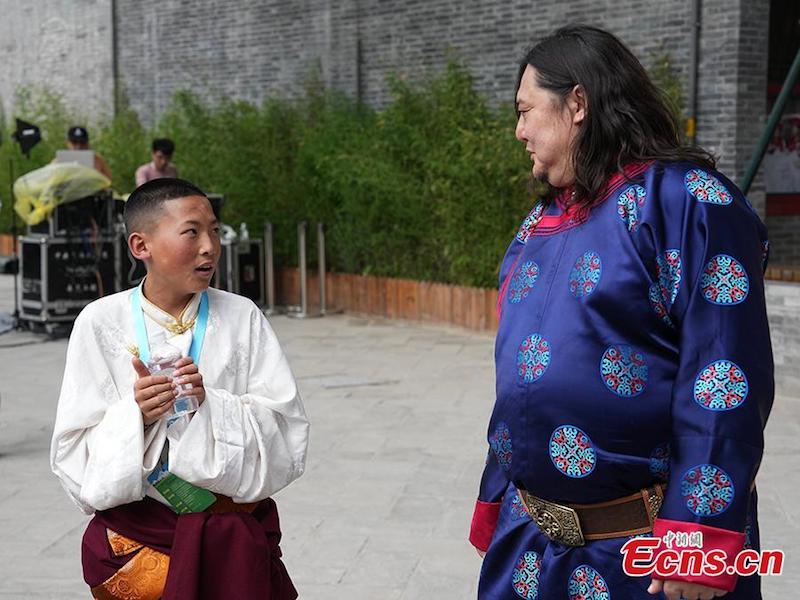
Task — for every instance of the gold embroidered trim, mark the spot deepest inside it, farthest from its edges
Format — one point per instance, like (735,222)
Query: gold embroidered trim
(142,578)
(179,326)
(121,545)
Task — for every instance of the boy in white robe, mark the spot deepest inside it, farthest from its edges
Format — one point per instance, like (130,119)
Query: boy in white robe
(181,502)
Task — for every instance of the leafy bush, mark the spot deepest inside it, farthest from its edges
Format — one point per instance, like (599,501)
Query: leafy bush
(432,187)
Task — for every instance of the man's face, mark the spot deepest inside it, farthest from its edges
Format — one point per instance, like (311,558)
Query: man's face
(182,246)
(160,160)
(79,145)
(548,128)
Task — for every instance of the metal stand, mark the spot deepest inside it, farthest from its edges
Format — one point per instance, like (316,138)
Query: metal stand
(269,271)
(16,266)
(303,313)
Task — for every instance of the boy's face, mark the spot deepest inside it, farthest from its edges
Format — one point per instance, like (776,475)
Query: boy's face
(181,248)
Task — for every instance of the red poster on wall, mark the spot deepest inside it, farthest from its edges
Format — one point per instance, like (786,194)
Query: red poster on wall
(782,168)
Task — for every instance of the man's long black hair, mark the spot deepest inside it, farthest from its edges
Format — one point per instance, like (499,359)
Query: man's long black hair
(627,119)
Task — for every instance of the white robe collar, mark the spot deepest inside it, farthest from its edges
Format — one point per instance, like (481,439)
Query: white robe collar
(166,320)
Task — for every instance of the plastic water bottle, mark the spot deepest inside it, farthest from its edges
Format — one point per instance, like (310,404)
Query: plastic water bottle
(162,362)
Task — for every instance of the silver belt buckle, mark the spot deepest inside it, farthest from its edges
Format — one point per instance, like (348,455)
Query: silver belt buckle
(558,522)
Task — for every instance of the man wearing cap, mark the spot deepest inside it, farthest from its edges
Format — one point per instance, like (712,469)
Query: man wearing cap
(78,139)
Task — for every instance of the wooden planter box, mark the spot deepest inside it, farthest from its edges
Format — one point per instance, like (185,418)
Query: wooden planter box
(469,307)
(6,244)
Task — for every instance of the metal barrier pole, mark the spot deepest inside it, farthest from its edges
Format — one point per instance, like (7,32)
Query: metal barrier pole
(269,267)
(303,266)
(301,253)
(321,260)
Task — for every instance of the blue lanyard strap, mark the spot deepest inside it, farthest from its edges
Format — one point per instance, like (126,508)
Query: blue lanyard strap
(141,329)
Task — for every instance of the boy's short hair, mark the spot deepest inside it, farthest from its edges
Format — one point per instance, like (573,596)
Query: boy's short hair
(146,201)
(164,145)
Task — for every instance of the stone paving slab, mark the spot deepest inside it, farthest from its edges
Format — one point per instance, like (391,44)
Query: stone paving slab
(398,413)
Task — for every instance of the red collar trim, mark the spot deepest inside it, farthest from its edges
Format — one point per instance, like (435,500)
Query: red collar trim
(572,213)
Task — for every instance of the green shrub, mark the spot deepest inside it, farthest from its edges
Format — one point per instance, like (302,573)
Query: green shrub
(432,187)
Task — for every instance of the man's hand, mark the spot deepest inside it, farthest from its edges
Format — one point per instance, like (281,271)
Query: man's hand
(155,394)
(675,590)
(186,372)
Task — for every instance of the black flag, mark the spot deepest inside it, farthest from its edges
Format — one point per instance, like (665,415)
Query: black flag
(27,135)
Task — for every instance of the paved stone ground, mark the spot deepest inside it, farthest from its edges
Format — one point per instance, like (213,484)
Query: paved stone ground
(398,417)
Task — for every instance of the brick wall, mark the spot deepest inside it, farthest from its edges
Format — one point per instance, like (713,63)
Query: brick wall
(254,50)
(784,239)
(63,45)
(251,50)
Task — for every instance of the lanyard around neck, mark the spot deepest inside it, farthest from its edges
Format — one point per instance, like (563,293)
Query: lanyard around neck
(141,329)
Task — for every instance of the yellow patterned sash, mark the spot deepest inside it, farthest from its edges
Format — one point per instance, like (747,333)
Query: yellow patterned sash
(142,578)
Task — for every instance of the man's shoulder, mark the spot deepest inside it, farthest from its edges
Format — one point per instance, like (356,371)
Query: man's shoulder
(685,173)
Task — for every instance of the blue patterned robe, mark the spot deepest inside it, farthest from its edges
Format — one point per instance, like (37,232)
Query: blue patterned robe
(633,348)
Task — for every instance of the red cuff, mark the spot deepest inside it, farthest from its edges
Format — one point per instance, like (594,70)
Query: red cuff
(484,521)
(714,538)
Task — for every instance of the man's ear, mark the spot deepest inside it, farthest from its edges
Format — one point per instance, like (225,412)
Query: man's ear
(576,101)
(138,246)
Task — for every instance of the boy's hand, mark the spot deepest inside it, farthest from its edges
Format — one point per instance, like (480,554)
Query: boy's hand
(186,372)
(155,394)
(675,590)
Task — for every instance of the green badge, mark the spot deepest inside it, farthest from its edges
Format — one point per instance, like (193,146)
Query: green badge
(183,496)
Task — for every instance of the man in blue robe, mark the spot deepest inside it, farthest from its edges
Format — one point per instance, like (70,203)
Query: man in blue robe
(633,359)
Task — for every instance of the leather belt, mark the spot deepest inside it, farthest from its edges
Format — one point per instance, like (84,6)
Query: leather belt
(575,524)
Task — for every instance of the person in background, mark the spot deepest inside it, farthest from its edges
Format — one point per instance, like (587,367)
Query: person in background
(161,165)
(78,139)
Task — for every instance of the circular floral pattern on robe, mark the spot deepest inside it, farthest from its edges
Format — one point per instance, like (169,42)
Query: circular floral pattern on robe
(624,370)
(533,358)
(500,443)
(707,188)
(522,281)
(722,385)
(572,451)
(525,579)
(657,302)
(585,275)
(659,461)
(708,490)
(669,275)
(529,224)
(586,583)
(724,281)
(629,204)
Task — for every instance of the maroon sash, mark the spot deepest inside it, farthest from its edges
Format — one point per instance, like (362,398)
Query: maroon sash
(212,556)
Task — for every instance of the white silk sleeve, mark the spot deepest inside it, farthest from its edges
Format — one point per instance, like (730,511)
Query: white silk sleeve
(250,445)
(99,450)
